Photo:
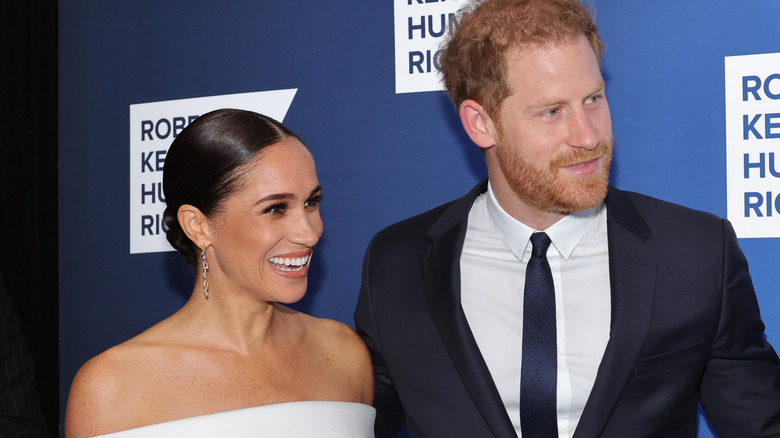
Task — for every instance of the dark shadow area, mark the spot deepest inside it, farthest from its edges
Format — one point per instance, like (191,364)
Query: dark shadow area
(28,185)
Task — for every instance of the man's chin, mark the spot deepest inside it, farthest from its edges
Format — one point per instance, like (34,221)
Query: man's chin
(580,198)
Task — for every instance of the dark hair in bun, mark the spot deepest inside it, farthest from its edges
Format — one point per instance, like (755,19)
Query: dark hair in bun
(204,164)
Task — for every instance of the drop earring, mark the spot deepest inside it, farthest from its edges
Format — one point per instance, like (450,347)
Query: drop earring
(205,270)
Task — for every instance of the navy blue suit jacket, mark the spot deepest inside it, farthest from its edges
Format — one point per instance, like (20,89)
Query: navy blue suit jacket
(685,329)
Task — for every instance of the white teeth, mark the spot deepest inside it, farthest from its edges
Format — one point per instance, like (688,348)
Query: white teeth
(296,262)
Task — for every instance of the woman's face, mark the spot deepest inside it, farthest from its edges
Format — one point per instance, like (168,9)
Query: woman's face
(262,239)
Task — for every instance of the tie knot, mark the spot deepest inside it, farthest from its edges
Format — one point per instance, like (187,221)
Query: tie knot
(539,244)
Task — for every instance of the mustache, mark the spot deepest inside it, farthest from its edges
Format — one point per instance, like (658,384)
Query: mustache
(575,156)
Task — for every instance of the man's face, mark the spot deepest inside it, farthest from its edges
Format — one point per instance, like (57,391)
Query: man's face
(554,137)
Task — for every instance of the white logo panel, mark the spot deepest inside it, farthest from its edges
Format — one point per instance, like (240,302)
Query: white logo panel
(420,28)
(753,144)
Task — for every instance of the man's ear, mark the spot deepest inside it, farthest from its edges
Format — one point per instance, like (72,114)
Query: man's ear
(195,224)
(477,123)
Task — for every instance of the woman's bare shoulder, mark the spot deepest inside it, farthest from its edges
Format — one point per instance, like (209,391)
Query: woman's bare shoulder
(339,335)
(347,353)
(94,399)
(104,389)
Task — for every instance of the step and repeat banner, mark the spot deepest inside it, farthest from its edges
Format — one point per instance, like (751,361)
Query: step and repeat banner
(694,91)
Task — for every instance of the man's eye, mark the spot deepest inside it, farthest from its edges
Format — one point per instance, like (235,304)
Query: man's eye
(593,99)
(552,113)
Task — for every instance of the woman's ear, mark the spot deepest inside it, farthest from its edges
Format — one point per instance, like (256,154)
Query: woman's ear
(195,224)
(477,123)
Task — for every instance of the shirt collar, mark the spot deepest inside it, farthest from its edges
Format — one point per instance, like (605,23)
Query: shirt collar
(564,234)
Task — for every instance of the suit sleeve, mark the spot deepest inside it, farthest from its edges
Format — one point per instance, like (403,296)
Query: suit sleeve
(389,418)
(20,414)
(740,391)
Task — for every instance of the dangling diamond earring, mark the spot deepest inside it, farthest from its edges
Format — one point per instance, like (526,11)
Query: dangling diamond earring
(205,270)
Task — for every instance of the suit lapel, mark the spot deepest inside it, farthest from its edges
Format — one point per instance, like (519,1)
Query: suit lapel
(440,265)
(632,267)
(632,281)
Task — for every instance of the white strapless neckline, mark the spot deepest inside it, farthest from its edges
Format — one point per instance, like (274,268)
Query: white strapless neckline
(322,419)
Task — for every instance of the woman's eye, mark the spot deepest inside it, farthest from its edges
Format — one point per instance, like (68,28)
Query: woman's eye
(314,201)
(276,209)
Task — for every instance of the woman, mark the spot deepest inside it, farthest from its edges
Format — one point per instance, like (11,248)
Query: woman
(243,208)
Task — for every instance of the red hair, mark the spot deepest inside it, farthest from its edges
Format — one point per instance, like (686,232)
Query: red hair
(473,61)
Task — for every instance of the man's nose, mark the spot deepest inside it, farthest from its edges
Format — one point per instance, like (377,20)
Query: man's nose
(582,133)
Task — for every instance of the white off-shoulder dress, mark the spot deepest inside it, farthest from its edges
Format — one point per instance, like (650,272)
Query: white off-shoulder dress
(322,419)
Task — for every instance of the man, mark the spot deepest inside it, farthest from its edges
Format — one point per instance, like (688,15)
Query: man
(637,310)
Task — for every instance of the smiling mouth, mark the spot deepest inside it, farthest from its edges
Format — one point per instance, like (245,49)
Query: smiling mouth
(583,163)
(583,167)
(289,264)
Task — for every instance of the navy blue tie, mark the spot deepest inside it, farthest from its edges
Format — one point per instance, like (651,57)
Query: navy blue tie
(538,416)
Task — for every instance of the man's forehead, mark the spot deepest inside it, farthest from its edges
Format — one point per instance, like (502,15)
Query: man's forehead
(567,72)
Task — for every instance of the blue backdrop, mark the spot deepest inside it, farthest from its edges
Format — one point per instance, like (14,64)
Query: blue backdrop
(380,156)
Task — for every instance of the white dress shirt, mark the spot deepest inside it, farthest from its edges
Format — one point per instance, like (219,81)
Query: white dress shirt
(495,254)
